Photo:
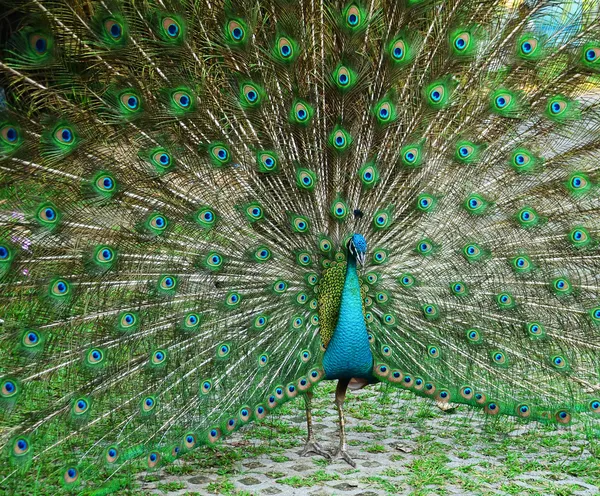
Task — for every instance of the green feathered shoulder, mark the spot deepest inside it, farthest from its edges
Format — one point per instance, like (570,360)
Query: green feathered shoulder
(330,297)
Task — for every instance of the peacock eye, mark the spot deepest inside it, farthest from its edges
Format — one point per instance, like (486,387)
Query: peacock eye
(437,93)
(9,134)
(171,27)
(113,29)
(158,222)
(285,48)
(161,158)
(105,183)
(64,134)
(182,99)
(236,31)
(39,43)
(462,42)
(398,50)
(130,101)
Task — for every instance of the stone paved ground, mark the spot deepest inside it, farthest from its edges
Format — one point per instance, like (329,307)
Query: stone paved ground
(402,445)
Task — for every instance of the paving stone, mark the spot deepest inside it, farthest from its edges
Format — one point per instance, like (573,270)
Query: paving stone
(249,481)
(199,479)
(271,490)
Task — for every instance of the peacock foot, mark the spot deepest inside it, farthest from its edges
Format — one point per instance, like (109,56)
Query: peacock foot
(312,447)
(343,453)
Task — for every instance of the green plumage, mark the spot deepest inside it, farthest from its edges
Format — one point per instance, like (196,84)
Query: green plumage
(180,183)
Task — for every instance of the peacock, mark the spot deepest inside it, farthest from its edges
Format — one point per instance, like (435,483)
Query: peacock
(208,207)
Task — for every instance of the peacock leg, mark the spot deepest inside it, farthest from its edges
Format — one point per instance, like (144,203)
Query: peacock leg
(340,396)
(311,443)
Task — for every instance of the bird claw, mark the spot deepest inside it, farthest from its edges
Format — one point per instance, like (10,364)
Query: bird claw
(342,453)
(314,447)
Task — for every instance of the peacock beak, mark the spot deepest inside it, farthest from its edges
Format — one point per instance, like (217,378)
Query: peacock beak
(361,258)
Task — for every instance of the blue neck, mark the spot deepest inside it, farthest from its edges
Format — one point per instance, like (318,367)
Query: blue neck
(348,354)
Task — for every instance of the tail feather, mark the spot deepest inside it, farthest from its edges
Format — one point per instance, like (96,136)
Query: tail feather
(177,175)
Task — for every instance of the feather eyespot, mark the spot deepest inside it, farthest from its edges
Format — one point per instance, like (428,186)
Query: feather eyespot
(21,446)
(223,350)
(473,336)
(9,388)
(467,392)
(462,41)
(206,387)
(104,254)
(214,435)
(591,55)
(30,339)
(130,101)
(369,175)
(236,31)
(411,156)
(171,27)
(251,93)
(385,111)
(389,319)
(260,321)
(301,112)
(65,135)
(167,283)
(280,286)
(60,288)
(47,214)
(220,154)
(502,101)
(111,455)
(433,352)
(70,475)
(148,404)
(113,29)
(105,184)
(10,134)
(233,299)
(267,162)
(158,223)
(260,412)
(343,76)
(465,151)
(305,356)
(158,357)
(80,406)
(127,320)
(398,50)
(95,356)
(285,48)
(528,47)
(563,417)
(499,358)
(39,43)
(557,106)
(153,459)
(353,17)
(523,410)
(182,99)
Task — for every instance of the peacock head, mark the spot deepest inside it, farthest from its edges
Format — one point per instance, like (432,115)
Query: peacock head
(357,247)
